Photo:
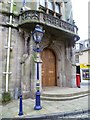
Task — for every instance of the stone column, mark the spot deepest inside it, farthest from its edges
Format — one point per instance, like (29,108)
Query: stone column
(73,69)
(26,35)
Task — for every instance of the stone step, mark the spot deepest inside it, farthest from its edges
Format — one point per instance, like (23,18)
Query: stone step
(66,94)
(63,98)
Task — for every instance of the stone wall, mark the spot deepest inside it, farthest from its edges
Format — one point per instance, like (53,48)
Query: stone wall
(17,44)
(22,63)
(16,53)
(1,62)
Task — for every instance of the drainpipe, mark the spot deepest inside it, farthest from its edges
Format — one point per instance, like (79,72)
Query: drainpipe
(8,47)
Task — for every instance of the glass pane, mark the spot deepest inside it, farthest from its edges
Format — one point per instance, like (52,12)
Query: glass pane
(38,36)
(57,8)
(50,4)
(42,2)
(86,74)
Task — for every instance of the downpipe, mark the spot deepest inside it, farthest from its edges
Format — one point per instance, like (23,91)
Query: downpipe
(8,48)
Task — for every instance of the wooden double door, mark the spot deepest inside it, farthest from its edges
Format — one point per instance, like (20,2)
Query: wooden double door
(48,68)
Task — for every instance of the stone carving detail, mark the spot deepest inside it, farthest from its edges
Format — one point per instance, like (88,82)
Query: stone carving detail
(59,23)
(29,15)
(49,19)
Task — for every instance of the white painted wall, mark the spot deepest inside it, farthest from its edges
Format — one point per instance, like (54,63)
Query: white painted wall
(83,58)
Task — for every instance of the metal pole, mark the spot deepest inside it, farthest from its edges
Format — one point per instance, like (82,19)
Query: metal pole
(20,106)
(37,36)
(8,49)
(37,95)
(20,97)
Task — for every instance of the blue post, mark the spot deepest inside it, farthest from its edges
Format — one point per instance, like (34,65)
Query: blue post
(37,70)
(20,106)
(37,105)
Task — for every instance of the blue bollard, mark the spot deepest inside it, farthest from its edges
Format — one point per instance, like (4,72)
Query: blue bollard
(20,106)
(38,105)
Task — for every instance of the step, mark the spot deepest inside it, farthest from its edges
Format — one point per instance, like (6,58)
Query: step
(64,95)
(55,98)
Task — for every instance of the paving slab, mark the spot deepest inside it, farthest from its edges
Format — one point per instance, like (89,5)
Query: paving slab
(11,109)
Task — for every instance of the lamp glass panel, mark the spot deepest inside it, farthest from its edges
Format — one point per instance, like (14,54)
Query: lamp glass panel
(38,36)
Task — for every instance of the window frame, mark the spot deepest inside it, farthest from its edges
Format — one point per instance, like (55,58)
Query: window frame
(52,4)
(59,9)
(44,5)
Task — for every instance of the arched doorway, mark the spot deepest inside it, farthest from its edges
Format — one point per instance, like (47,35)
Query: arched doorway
(48,68)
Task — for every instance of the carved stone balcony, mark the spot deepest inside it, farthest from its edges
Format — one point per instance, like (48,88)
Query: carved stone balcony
(30,17)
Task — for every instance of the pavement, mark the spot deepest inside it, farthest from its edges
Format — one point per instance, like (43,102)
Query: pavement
(50,107)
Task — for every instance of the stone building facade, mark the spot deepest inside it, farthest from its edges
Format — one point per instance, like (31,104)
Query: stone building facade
(17,21)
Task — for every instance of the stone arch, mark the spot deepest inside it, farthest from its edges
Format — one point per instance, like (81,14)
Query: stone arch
(58,49)
(48,68)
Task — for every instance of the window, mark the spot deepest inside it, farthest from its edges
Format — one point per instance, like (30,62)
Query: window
(50,4)
(85,74)
(57,8)
(42,2)
(77,58)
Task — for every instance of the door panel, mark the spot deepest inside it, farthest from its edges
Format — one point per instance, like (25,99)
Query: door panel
(48,68)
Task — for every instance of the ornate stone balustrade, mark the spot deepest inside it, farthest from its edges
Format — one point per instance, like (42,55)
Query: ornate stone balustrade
(39,16)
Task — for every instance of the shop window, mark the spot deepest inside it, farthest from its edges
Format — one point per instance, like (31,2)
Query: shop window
(85,74)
